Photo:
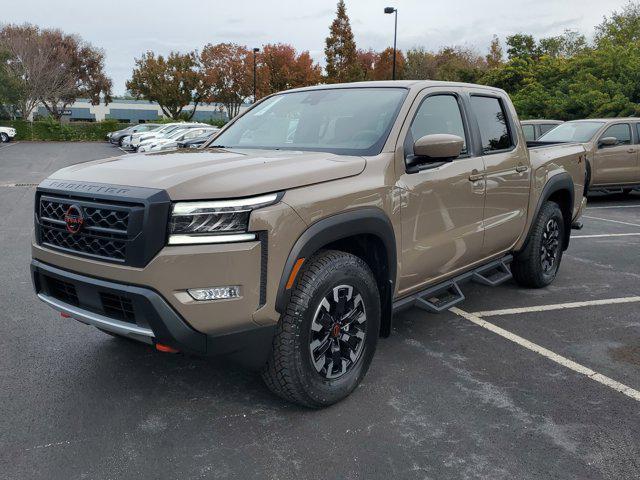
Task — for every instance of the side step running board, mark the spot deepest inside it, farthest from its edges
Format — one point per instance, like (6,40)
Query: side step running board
(492,275)
(440,298)
(443,296)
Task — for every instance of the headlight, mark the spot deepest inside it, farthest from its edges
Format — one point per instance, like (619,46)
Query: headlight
(220,221)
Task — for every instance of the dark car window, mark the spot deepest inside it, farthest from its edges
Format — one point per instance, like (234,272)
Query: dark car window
(621,131)
(437,114)
(492,120)
(546,127)
(529,132)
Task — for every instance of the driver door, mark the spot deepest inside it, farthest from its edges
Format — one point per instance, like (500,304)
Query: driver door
(442,203)
(616,164)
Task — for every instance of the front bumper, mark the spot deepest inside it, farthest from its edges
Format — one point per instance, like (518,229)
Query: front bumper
(141,314)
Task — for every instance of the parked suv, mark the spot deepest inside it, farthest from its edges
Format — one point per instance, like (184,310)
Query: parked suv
(289,241)
(613,150)
(7,134)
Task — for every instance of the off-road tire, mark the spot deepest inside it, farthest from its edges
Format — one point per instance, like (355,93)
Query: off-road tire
(290,372)
(4,138)
(527,266)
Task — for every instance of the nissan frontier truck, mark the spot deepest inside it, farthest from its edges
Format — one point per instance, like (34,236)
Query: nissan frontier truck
(292,237)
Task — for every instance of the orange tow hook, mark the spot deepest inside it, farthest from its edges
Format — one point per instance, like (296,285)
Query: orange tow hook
(165,348)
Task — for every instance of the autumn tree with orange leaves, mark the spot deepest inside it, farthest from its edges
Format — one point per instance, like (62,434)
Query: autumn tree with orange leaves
(281,67)
(228,69)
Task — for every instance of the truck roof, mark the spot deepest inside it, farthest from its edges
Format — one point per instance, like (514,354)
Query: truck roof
(397,83)
(610,119)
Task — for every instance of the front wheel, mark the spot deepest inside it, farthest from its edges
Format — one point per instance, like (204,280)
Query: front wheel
(537,265)
(327,336)
(4,138)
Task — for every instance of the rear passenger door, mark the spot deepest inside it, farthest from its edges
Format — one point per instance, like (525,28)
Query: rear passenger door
(442,203)
(507,172)
(616,164)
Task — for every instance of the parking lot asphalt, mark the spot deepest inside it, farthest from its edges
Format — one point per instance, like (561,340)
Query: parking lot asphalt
(444,398)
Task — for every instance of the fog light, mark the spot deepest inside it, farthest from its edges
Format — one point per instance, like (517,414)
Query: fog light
(214,293)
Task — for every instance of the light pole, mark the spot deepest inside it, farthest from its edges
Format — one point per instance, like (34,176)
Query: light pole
(255,51)
(389,10)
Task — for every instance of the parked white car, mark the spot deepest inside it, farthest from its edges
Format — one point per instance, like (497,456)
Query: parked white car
(138,138)
(171,142)
(7,134)
(145,144)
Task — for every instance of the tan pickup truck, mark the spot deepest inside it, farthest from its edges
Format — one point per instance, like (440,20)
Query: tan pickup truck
(289,241)
(613,150)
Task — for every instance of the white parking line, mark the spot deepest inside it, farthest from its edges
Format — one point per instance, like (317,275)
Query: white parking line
(613,206)
(614,221)
(9,145)
(557,306)
(606,235)
(576,367)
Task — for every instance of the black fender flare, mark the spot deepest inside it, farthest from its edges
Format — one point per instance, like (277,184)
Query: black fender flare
(558,182)
(367,220)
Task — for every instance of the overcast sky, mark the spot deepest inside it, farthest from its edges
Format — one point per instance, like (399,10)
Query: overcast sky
(127,28)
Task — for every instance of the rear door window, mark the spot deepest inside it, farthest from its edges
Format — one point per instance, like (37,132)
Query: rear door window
(492,120)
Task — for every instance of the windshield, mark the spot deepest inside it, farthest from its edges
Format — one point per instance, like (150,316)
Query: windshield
(572,132)
(347,121)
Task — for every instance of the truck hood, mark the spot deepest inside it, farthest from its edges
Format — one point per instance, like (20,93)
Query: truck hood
(193,174)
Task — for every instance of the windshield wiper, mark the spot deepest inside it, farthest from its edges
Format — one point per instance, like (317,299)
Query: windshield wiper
(216,146)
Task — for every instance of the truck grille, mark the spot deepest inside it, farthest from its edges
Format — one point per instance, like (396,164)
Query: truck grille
(109,223)
(103,234)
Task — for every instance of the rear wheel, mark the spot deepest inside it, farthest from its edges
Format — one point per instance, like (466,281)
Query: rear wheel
(537,264)
(326,339)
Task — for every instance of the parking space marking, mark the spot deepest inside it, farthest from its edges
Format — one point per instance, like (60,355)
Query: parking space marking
(557,306)
(564,361)
(606,235)
(9,145)
(614,221)
(613,206)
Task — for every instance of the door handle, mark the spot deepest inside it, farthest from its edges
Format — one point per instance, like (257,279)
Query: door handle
(521,168)
(475,176)
(631,150)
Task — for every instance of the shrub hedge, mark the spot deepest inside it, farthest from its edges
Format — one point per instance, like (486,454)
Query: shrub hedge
(50,130)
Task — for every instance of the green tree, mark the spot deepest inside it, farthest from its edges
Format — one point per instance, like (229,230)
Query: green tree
(420,64)
(10,91)
(340,50)
(495,56)
(620,28)
(522,45)
(173,82)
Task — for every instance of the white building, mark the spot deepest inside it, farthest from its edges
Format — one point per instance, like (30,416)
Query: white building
(132,111)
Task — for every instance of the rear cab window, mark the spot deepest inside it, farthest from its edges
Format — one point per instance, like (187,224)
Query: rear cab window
(493,123)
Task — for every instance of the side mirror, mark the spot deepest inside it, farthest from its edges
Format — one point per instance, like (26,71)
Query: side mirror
(440,146)
(608,142)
